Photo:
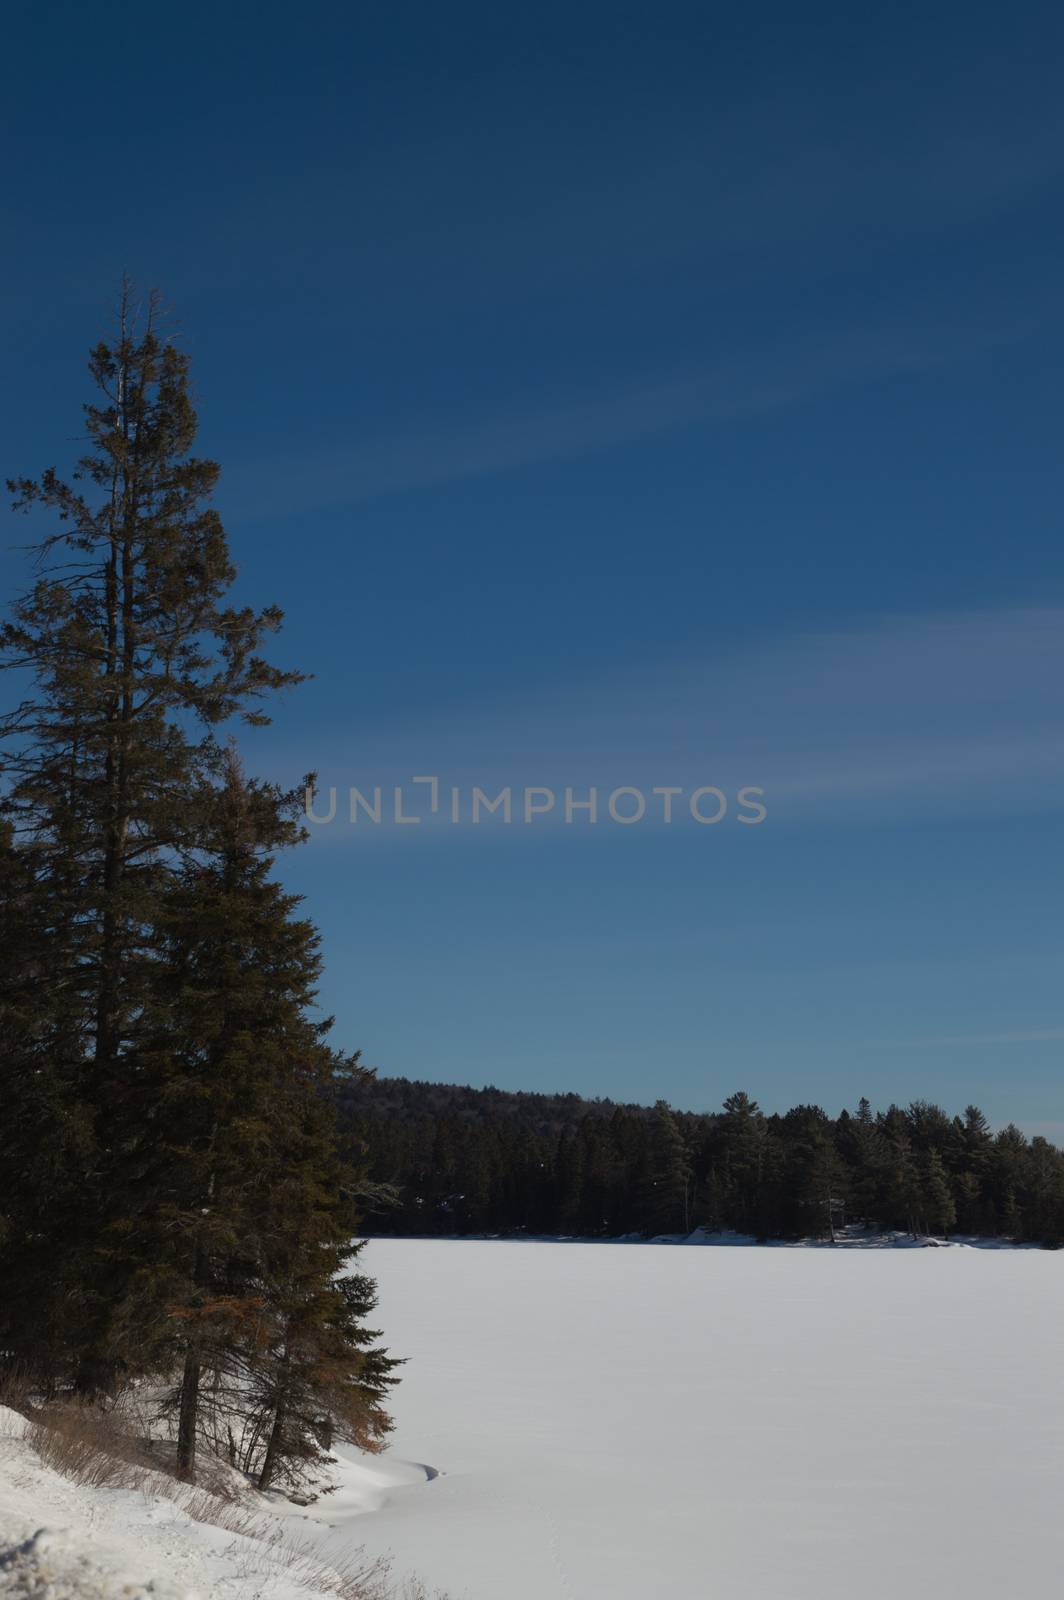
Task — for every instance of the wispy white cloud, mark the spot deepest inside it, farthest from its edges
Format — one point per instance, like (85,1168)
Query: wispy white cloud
(749,384)
(511,218)
(974,1040)
(903,719)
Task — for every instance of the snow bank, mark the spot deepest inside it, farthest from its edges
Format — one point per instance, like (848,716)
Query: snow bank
(61,1540)
(53,1566)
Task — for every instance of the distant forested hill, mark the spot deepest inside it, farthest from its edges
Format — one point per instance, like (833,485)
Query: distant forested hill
(464,1160)
(402,1098)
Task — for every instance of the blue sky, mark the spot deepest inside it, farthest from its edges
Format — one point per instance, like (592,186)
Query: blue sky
(616,396)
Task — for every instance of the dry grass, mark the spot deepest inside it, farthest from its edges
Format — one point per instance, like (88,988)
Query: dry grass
(269,1543)
(83,1444)
(90,1447)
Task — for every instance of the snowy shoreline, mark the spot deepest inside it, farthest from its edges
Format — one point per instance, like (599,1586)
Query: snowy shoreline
(848,1238)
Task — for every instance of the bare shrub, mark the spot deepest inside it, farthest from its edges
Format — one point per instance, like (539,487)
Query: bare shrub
(84,1444)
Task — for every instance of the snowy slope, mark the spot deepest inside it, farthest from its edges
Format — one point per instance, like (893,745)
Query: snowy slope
(65,1541)
(747,1424)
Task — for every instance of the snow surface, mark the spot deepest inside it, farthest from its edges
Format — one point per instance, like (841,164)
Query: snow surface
(61,1540)
(582,1422)
(748,1424)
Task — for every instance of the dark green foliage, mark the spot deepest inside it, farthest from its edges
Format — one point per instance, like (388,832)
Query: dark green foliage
(128,648)
(734,1161)
(664,1183)
(46,1128)
(813,1177)
(174,1200)
(557,1164)
(938,1210)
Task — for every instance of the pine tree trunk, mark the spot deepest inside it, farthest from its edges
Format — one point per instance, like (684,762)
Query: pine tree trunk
(104,1041)
(273,1449)
(187,1416)
(280,1417)
(121,587)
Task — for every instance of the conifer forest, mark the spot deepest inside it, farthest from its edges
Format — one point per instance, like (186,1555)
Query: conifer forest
(450,1160)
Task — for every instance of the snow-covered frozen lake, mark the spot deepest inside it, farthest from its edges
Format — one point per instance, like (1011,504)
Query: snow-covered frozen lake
(619,1422)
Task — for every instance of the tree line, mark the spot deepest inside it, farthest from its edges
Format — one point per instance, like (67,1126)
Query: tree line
(176,1203)
(460,1160)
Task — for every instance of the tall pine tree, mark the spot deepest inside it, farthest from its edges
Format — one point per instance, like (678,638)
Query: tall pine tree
(176,1202)
(125,646)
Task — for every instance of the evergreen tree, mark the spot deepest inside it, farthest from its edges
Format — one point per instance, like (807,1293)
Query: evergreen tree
(177,1202)
(126,635)
(665,1183)
(320,1374)
(938,1211)
(861,1148)
(1043,1210)
(929,1127)
(599,1207)
(971,1162)
(127,644)
(239,1213)
(901,1195)
(569,1166)
(814,1173)
(1008,1174)
(737,1175)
